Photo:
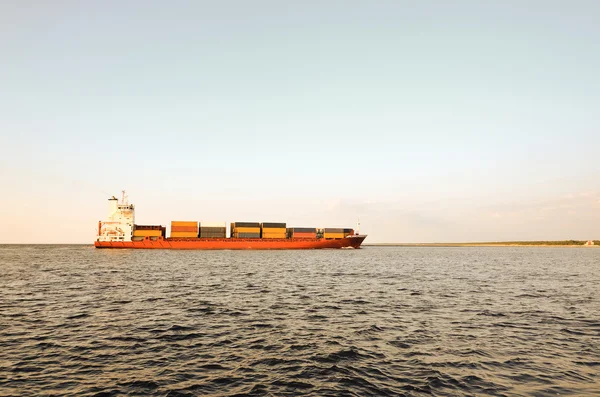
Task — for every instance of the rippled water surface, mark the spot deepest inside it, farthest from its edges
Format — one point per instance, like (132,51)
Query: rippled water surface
(77,321)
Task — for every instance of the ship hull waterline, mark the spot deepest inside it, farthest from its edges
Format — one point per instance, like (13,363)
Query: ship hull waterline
(236,243)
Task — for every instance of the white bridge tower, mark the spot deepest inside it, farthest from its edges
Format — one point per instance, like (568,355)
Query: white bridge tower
(118,226)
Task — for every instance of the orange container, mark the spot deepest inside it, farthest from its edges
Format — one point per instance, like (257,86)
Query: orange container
(149,233)
(270,230)
(184,223)
(184,229)
(246,230)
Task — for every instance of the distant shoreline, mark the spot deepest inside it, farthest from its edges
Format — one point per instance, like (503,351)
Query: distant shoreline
(567,244)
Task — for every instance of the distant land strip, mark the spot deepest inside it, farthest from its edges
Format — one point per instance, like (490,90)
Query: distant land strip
(563,243)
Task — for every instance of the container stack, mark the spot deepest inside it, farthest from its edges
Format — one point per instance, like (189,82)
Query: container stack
(333,233)
(213,230)
(273,230)
(302,232)
(349,232)
(140,232)
(245,230)
(184,229)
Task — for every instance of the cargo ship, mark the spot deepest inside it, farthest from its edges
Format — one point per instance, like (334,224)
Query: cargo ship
(121,231)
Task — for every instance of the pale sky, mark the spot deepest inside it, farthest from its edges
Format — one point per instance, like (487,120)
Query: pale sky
(432,121)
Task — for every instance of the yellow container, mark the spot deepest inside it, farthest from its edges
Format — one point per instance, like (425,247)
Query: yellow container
(184,223)
(273,230)
(184,234)
(144,233)
(274,235)
(334,235)
(246,230)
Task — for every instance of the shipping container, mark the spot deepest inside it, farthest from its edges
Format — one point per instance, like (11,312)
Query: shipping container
(212,235)
(148,227)
(149,230)
(274,235)
(149,233)
(213,232)
(303,229)
(213,228)
(303,235)
(273,231)
(184,229)
(333,235)
(246,230)
(333,230)
(184,234)
(273,225)
(184,223)
(246,235)
(245,224)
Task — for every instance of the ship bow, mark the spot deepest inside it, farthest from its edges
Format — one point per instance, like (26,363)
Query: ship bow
(356,240)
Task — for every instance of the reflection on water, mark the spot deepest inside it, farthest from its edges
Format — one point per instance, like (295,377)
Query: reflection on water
(376,321)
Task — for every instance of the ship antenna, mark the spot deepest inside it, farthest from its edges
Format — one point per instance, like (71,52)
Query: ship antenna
(124,198)
(358,226)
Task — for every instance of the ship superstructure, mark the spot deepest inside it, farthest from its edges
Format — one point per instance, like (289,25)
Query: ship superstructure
(119,224)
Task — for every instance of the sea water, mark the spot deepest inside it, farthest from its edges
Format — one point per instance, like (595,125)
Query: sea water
(390,321)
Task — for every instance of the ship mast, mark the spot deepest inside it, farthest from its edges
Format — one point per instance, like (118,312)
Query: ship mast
(124,198)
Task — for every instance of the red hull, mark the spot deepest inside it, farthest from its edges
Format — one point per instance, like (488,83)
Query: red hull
(235,243)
